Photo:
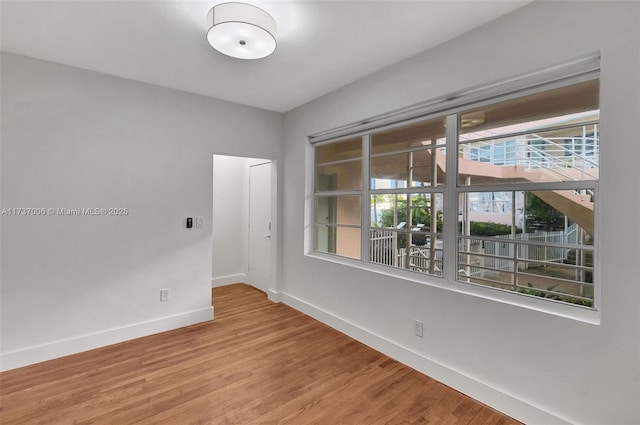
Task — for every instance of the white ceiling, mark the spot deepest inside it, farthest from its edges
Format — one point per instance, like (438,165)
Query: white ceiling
(322,45)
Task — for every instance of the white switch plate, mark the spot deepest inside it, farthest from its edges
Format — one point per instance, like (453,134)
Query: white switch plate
(199,222)
(417,328)
(164,294)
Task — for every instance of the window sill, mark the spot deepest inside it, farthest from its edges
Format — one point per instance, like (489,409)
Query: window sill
(568,311)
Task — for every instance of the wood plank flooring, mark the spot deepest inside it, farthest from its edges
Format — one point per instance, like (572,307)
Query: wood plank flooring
(256,363)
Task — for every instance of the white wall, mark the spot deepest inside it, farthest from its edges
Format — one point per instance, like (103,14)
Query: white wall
(73,138)
(230,219)
(538,367)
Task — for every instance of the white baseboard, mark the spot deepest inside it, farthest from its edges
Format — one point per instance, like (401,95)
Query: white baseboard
(65,347)
(227,280)
(274,296)
(499,400)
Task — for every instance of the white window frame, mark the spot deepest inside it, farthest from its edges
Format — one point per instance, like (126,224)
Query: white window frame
(576,71)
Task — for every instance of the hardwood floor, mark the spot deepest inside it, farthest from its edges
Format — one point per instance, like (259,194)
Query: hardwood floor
(256,363)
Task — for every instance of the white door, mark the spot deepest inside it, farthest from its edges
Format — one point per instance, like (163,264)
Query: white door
(260,226)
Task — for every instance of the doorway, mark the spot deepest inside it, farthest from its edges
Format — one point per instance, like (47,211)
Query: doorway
(244,222)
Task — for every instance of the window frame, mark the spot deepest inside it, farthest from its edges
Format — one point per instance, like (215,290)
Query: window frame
(574,72)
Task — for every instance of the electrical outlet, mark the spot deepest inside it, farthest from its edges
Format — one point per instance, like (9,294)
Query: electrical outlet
(417,328)
(164,294)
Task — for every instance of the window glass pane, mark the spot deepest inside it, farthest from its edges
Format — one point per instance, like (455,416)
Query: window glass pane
(520,241)
(424,133)
(406,231)
(553,278)
(571,105)
(339,240)
(344,209)
(561,211)
(492,271)
(423,212)
(408,251)
(341,176)
(558,284)
(569,154)
(417,169)
(551,136)
(389,210)
(338,151)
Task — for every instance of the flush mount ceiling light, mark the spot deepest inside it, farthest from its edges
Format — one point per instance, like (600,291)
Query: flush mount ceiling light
(241,31)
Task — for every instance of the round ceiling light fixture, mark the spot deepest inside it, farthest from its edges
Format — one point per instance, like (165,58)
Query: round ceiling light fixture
(241,31)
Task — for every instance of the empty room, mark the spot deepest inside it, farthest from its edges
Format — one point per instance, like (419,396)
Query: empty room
(319,212)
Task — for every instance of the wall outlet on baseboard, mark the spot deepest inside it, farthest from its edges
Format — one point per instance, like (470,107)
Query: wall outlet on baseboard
(164,294)
(417,328)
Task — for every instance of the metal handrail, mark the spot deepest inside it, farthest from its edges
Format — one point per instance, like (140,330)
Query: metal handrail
(542,157)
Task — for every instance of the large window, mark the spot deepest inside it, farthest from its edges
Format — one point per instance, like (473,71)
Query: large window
(512,210)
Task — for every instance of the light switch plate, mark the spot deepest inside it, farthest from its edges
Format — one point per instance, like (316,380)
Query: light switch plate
(199,222)
(165,294)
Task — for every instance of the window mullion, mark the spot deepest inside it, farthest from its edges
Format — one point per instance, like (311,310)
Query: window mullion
(310,242)
(365,204)
(450,226)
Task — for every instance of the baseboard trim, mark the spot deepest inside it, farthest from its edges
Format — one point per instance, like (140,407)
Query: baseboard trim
(65,347)
(227,280)
(274,296)
(483,392)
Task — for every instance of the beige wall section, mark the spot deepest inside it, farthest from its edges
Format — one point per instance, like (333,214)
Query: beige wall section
(347,238)
(348,242)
